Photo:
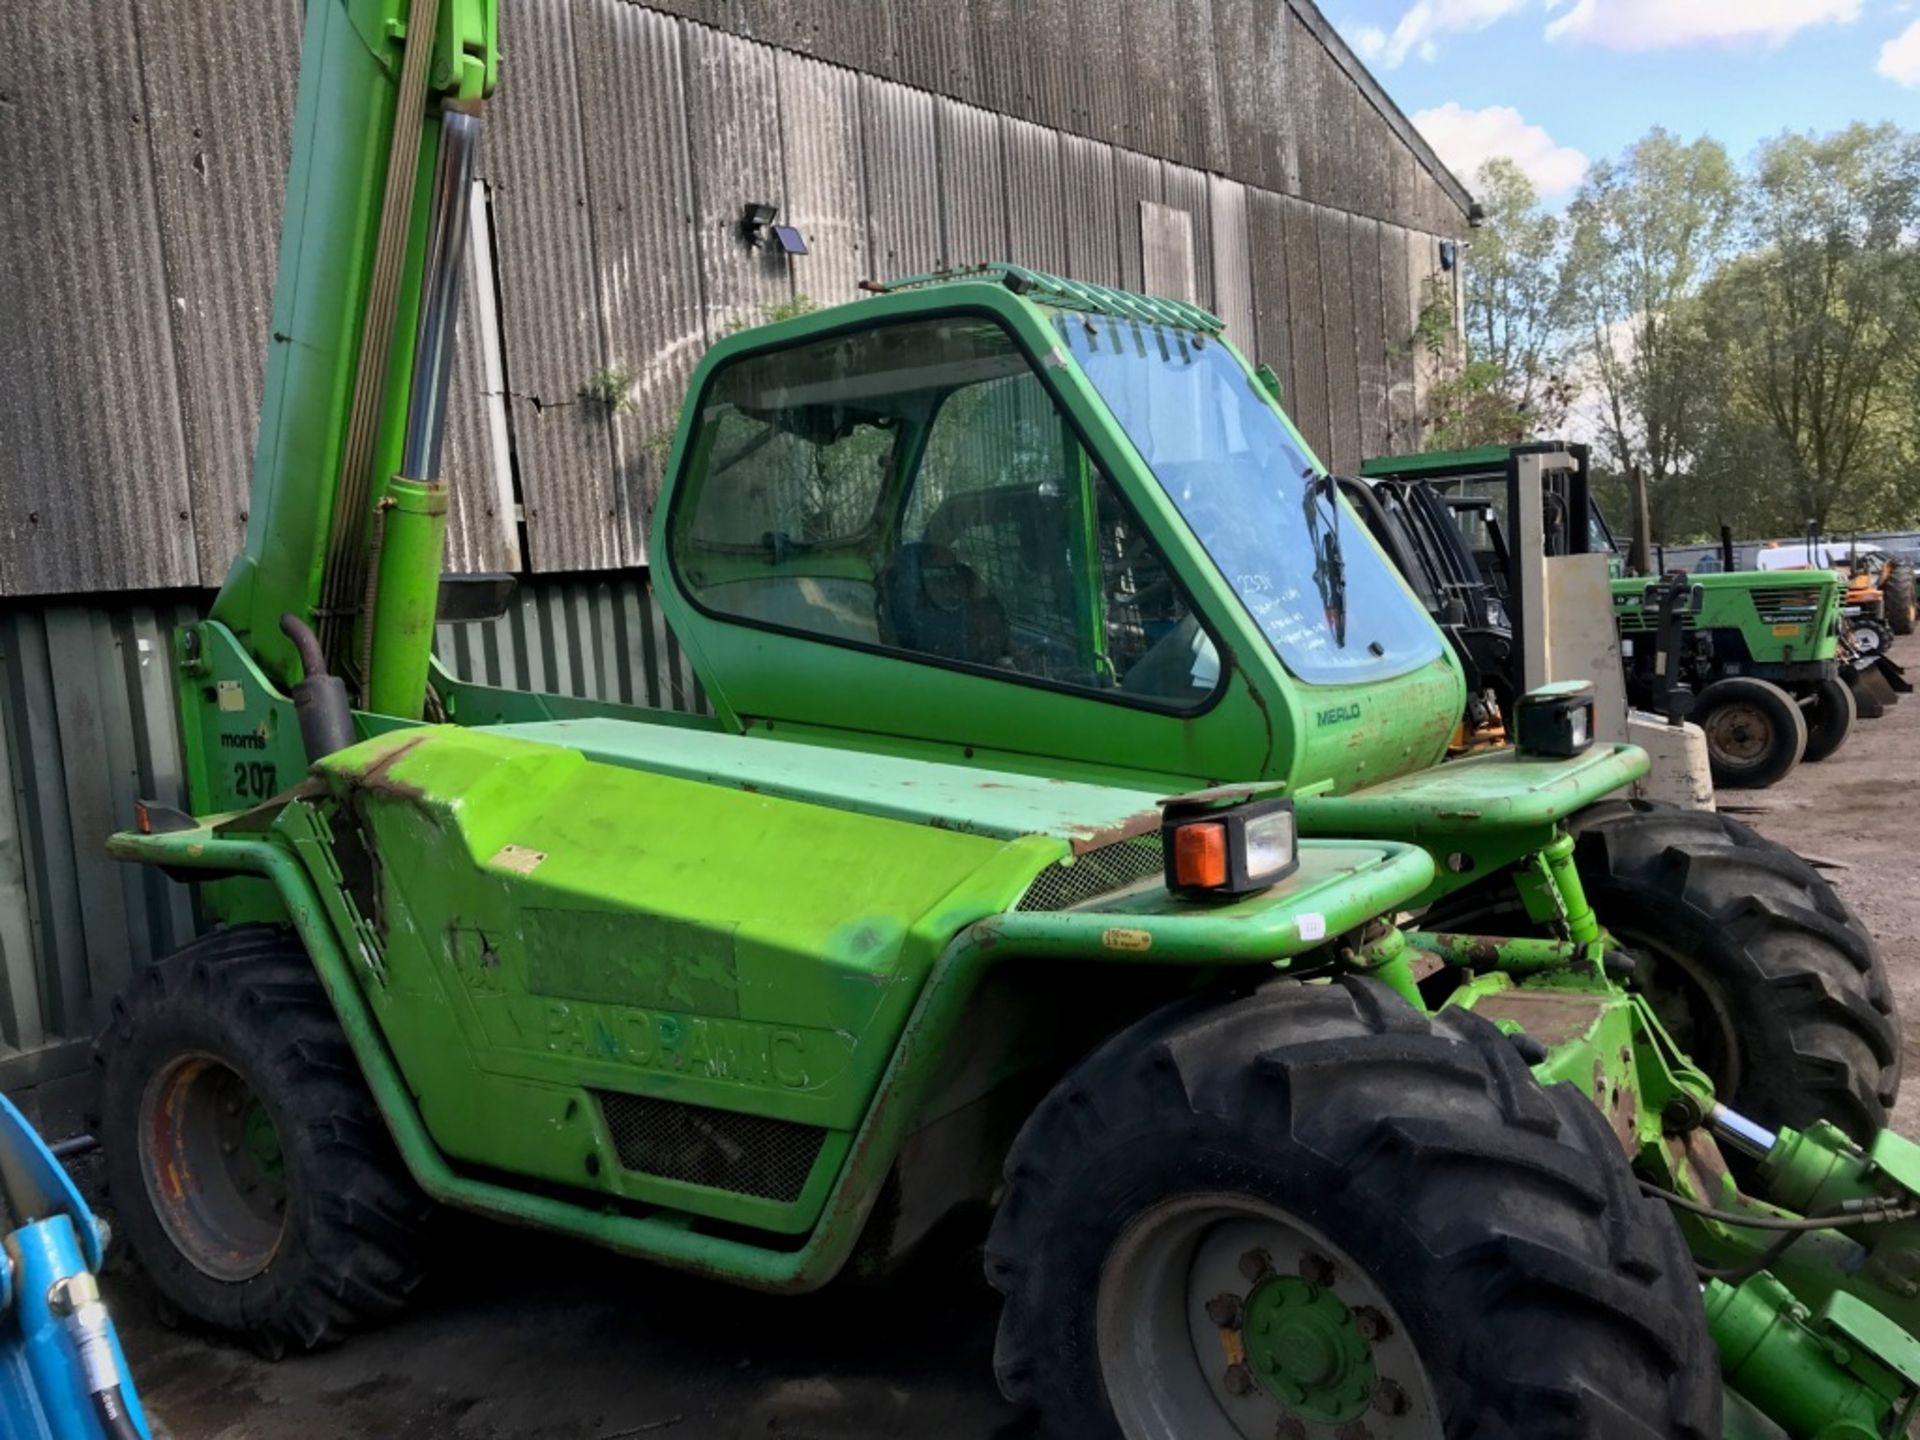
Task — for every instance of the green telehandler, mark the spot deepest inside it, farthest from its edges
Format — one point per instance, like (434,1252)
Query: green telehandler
(1070,837)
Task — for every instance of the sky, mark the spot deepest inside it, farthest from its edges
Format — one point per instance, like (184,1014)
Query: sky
(1557,84)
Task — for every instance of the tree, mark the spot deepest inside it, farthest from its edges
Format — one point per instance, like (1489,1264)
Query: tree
(1517,298)
(1648,230)
(1820,321)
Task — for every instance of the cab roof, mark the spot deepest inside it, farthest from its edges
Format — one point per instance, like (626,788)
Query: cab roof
(1063,294)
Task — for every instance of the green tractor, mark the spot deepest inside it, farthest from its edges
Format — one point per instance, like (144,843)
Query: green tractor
(1070,837)
(1757,654)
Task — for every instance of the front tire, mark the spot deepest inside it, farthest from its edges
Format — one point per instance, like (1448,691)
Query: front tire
(248,1165)
(1755,732)
(1830,714)
(1437,1245)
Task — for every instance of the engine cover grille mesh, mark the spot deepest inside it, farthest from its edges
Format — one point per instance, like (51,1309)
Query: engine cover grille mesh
(1111,867)
(721,1149)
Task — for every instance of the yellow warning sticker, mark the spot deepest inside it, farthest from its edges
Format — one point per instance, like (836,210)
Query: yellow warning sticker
(1120,939)
(518,858)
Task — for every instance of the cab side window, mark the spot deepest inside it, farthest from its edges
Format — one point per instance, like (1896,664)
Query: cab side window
(915,488)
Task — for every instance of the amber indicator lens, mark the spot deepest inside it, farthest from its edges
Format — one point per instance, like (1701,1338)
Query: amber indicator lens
(1216,851)
(1200,855)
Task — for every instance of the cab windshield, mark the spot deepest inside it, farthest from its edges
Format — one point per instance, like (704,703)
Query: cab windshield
(1274,525)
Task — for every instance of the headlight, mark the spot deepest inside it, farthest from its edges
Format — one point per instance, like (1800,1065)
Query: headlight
(1556,720)
(1232,851)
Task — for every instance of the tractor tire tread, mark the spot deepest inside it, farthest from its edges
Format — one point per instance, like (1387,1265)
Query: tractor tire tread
(1519,1199)
(1809,978)
(354,1251)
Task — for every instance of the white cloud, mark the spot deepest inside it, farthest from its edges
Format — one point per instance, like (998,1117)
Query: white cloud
(1370,43)
(1425,21)
(1467,139)
(1666,24)
(1900,58)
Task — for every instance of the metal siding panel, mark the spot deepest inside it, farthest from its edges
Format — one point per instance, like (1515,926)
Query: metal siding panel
(734,138)
(936,46)
(1166,253)
(826,189)
(46,828)
(1231,260)
(1093,237)
(1343,364)
(1002,81)
(1370,334)
(863,37)
(1056,66)
(1187,190)
(1306,101)
(550,314)
(1098,28)
(1423,266)
(1241,30)
(645,245)
(1307,329)
(1151,39)
(482,532)
(1136,179)
(1400,312)
(93,476)
(1267,244)
(973,186)
(599,638)
(1194,78)
(903,196)
(220,135)
(1036,216)
(21,1027)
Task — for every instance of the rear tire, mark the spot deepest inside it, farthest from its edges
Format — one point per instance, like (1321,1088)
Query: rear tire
(1755,965)
(1898,593)
(248,1166)
(1526,1288)
(1830,714)
(1755,732)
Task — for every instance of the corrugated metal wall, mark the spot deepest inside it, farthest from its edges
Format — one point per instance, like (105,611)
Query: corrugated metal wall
(89,723)
(145,171)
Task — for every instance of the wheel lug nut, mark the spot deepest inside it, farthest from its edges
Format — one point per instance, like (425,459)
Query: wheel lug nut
(1225,1311)
(1256,1265)
(1239,1380)
(1390,1399)
(1372,1323)
(1316,1270)
(1290,1428)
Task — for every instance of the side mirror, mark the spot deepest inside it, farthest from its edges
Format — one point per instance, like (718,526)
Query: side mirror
(474,597)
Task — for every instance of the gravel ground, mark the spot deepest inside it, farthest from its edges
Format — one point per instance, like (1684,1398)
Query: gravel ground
(528,1337)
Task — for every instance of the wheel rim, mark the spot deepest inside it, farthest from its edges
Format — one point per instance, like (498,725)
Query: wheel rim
(1866,640)
(1222,1318)
(1741,734)
(213,1165)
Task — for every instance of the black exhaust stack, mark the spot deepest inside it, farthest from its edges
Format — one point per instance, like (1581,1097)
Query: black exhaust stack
(320,700)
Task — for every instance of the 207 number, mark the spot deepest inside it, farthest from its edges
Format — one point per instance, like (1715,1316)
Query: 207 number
(254,780)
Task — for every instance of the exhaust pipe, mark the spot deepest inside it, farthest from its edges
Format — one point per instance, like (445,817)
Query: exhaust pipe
(320,699)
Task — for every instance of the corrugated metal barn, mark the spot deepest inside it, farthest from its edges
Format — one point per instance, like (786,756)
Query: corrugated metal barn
(1231,152)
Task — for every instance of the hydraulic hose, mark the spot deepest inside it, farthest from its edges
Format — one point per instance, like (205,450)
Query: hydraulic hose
(116,1421)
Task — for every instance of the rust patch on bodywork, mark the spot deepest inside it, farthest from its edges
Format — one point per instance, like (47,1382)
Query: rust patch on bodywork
(1553,1019)
(1094,837)
(377,778)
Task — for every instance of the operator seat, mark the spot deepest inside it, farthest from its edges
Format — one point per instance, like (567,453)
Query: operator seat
(930,602)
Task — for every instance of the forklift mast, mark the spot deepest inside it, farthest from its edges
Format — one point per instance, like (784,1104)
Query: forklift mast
(347,516)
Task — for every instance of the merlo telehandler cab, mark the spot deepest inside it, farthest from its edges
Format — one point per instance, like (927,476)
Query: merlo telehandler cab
(1070,837)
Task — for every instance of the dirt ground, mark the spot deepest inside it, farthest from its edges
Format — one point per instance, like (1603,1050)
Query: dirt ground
(527,1337)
